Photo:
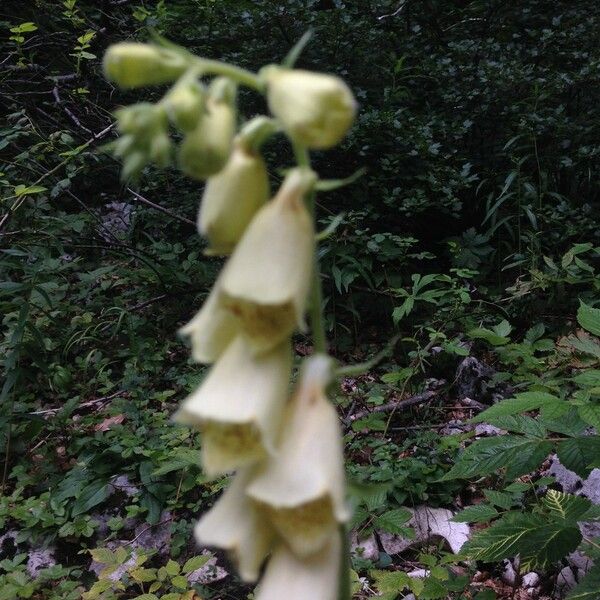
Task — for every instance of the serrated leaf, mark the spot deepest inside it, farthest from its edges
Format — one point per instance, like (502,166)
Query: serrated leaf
(194,563)
(393,521)
(142,575)
(588,378)
(538,541)
(103,556)
(433,589)
(519,455)
(579,453)
(590,413)
(180,581)
(478,513)
(172,568)
(520,424)
(589,588)
(390,583)
(589,318)
(566,506)
(524,402)
(501,499)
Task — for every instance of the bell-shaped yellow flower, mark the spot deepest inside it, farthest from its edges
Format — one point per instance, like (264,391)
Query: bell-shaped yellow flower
(266,281)
(211,330)
(237,525)
(314,108)
(205,150)
(232,197)
(132,65)
(238,407)
(303,486)
(312,578)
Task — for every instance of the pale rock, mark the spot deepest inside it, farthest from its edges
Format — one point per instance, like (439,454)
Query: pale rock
(364,547)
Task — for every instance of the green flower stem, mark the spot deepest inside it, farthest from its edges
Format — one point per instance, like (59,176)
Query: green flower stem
(317,325)
(242,76)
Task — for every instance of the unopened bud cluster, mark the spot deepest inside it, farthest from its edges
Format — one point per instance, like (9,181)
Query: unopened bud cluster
(286,501)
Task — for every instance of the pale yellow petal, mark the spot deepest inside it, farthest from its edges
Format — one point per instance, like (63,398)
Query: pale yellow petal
(211,330)
(239,406)
(266,281)
(315,108)
(303,485)
(235,524)
(231,198)
(313,578)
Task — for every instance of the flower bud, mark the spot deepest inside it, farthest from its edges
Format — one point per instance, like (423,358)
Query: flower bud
(303,488)
(238,407)
(235,524)
(184,104)
(205,150)
(312,578)
(266,281)
(132,65)
(314,108)
(231,199)
(160,149)
(211,330)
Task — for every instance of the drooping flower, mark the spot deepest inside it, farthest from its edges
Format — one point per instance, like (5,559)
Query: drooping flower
(266,281)
(211,330)
(312,578)
(238,407)
(205,150)
(303,486)
(132,65)
(237,525)
(232,197)
(314,108)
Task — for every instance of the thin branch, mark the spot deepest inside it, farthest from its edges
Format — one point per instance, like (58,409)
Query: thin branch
(162,209)
(396,404)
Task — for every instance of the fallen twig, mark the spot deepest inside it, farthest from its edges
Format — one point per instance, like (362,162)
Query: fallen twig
(395,405)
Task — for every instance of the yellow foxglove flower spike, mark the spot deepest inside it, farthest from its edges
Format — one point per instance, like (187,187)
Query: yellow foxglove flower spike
(132,65)
(266,281)
(239,405)
(231,198)
(314,108)
(237,525)
(313,578)
(205,150)
(211,330)
(303,487)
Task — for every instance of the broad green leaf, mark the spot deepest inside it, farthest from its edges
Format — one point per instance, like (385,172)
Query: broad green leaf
(173,568)
(103,555)
(589,588)
(393,521)
(478,513)
(390,583)
(538,541)
(433,589)
(589,318)
(500,499)
(91,495)
(517,454)
(482,333)
(566,506)
(194,563)
(588,378)
(579,453)
(590,413)
(520,424)
(524,402)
